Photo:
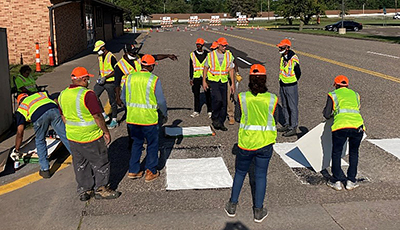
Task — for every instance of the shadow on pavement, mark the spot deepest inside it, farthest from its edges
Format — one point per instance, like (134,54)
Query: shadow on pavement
(167,144)
(119,160)
(235,226)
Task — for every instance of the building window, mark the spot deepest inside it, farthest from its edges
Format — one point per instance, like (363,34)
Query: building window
(99,17)
(117,19)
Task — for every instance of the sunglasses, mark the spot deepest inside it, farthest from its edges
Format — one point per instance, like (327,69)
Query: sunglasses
(282,48)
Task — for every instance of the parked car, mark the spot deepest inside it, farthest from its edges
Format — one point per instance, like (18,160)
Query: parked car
(396,16)
(349,25)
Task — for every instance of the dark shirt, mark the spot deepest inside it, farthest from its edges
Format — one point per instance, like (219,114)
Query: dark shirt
(199,57)
(36,115)
(297,70)
(328,108)
(118,73)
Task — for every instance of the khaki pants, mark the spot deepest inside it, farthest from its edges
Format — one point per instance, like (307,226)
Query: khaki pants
(230,103)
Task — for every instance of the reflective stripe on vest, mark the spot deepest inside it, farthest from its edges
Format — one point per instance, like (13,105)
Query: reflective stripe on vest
(346,109)
(140,98)
(105,66)
(31,103)
(218,72)
(79,122)
(259,130)
(197,66)
(286,73)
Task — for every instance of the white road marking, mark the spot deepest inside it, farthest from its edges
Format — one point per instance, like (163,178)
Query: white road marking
(241,59)
(380,54)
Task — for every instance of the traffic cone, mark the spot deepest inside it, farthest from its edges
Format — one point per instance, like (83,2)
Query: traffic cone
(258,27)
(177,29)
(38,68)
(151,30)
(202,28)
(252,27)
(225,28)
(185,28)
(157,30)
(231,27)
(51,58)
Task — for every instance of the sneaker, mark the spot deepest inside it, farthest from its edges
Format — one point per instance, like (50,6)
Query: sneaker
(337,185)
(223,128)
(135,175)
(106,118)
(45,174)
(290,133)
(104,192)
(283,128)
(86,195)
(230,209)
(209,115)
(351,185)
(150,176)
(195,114)
(112,125)
(231,121)
(260,214)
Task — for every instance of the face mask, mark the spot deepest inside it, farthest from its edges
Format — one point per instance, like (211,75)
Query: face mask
(100,52)
(130,57)
(88,81)
(282,52)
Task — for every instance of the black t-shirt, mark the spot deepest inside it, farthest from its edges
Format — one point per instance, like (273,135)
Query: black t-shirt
(118,74)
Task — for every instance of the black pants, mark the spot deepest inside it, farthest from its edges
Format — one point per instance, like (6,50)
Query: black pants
(110,88)
(219,101)
(197,83)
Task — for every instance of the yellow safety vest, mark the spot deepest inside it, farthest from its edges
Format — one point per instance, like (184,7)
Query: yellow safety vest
(31,103)
(286,73)
(197,66)
(346,109)
(80,125)
(216,71)
(257,125)
(127,68)
(105,66)
(29,83)
(141,101)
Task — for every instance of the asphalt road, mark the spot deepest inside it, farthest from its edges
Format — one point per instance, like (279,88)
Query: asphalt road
(373,72)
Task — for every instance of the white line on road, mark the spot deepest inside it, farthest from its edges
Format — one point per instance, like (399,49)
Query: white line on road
(248,63)
(386,55)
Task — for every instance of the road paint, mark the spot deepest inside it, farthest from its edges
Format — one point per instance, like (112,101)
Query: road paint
(24,181)
(359,69)
(241,59)
(381,54)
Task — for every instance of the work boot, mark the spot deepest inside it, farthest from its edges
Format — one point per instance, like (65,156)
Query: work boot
(223,128)
(351,185)
(195,114)
(84,196)
(290,133)
(230,209)
(337,185)
(45,174)
(150,176)
(135,175)
(260,214)
(104,192)
(231,121)
(216,125)
(283,128)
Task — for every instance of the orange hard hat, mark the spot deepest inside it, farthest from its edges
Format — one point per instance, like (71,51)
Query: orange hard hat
(21,97)
(214,45)
(147,60)
(341,80)
(222,41)
(79,72)
(284,42)
(258,69)
(200,41)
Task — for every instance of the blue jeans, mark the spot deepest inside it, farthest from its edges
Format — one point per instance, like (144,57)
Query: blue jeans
(243,161)
(339,138)
(138,133)
(41,126)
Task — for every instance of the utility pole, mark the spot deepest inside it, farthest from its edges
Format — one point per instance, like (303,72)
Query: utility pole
(268,10)
(261,7)
(395,6)
(342,13)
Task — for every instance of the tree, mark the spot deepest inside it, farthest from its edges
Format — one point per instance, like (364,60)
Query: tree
(246,7)
(302,9)
(208,6)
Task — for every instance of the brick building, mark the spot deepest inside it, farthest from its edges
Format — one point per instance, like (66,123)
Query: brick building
(76,24)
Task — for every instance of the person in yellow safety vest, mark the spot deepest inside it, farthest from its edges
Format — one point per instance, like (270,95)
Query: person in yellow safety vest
(107,61)
(24,82)
(197,59)
(43,112)
(218,67)
(257,134)
(343,104)
(88,137)
(289,74)
(142,94)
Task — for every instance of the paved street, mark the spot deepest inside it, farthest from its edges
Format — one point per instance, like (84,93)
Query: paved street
(295,200)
